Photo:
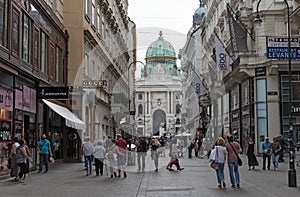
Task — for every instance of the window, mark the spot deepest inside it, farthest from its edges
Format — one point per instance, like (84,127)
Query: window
(87,8)
(52,61)
(98,19)
(140,109)
(87,59)
(58,65)
(44,53)
(36,49)
(140,96)
(27,36)
(15,31)
(261,98)
(94,74)
(3,22)
(103,28)
(93,12)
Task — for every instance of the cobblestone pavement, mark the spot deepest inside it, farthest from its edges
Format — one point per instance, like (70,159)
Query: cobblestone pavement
(197,179)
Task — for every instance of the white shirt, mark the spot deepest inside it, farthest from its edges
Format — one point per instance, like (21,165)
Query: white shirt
(99,152)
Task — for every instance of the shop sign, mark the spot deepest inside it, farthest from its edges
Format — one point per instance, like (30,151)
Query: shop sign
(5,130)
(277,47)
(260,71)
(6,99)
(53,92)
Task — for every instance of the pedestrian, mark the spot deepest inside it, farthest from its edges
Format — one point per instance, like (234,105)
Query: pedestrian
(174,157)
(233,149)
(154,152)
(220,158)
(56,148)
(190,149)
(28,153)
(196,146)
(275,149)
(266,149)
(44,149)
(87,151)
(121,155)
(282,143)
(163,146)
(250,152)
(141,153)
(99,154)
(22,156)
(111,157)
(14,165)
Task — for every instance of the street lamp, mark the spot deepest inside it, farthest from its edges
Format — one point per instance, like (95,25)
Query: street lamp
(292,180)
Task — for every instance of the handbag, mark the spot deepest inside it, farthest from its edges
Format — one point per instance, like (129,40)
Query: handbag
(214,164)
(240,162)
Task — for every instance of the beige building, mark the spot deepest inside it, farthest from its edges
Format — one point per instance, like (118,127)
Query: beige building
(102,43)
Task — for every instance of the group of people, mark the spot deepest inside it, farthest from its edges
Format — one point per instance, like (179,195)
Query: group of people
(114,151)
(156,149)
(226,151)
(19,160)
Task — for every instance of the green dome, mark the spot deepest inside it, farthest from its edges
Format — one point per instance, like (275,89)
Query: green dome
(160,47)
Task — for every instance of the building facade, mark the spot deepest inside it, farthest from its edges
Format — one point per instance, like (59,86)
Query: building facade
(158,91)
(33,54)
(102,40)
(256,101)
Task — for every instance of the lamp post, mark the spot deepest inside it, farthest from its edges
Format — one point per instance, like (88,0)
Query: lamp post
(292,180)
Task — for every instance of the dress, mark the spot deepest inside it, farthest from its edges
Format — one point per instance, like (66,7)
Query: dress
(252,161)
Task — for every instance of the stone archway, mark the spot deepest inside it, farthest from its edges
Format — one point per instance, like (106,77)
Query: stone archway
(159,119)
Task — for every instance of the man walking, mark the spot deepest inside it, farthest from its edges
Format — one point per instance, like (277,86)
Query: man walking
(87,151)
(44,149)
(266,149)
(121,155)
(141,153)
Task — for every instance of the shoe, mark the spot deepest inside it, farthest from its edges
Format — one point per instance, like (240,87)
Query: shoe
(119,176)
(219,186)
(232,186)
(224,185)
(125,175)
(87,174)
(276,169)
(156,170)
(14,180)
(45,171)
(39,172)
(238,185)
(268,168)
(253,168)
(138,170)
(180,169)
(21,181)
(249,168)
(263,168)
(111,176)
(115,174)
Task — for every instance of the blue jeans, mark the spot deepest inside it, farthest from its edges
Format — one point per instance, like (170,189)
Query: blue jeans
(88,163)
(275,159)
(43,159)
(234,173)
(139,155)
(220,173)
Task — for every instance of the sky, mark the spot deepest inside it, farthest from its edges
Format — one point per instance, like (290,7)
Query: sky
(173,17)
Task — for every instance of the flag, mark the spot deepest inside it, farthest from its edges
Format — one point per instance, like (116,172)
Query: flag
(238,34)
(197,84)
(212,73)
(221,55)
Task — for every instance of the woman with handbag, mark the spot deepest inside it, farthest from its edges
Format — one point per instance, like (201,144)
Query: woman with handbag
(218,158)
(233,149)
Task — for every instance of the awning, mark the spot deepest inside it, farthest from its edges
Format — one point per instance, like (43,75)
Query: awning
(71,119)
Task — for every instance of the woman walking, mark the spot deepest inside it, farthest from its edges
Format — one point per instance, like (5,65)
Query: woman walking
(220,158)
(21,160)
(99,154)
(275,149)
(154,152)
(233,149)
(252,160)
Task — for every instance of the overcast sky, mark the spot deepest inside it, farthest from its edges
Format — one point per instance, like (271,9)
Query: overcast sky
(173,17)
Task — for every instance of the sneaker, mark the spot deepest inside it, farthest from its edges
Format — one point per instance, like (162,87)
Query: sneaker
(125,175)
(224,185)
(276,169)
(219,186)
(180,169)
(21,181)
(238,185)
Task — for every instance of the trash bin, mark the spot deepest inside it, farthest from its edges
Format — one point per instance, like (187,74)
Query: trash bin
(131,155)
